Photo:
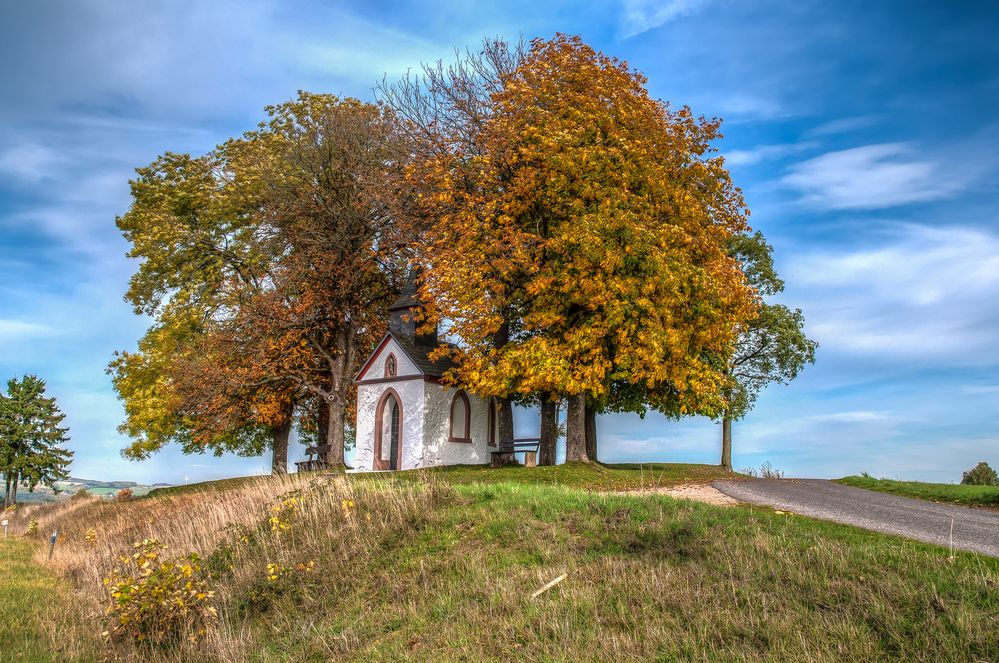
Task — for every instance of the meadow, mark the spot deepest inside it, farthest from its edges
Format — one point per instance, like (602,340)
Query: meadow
(436,565)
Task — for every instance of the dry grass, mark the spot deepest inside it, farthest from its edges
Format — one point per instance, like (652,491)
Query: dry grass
(407,570)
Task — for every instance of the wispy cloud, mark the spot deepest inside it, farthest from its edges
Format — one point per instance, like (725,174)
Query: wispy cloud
(28,162)
(844,125)
(871,177)
(19,329)
(765,153)
(642,15)
(926,294)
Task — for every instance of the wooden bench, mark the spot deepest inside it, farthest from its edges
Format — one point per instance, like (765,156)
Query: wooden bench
(316,460)
(508,455)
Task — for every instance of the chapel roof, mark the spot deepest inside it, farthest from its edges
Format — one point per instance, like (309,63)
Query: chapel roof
(420,354)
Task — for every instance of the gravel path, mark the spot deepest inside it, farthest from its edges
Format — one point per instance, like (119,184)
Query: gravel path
(976,530)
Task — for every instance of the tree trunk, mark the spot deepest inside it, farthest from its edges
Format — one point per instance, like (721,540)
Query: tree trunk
(322,424)
(726,451)
(279,450)
(6,492)
(334,434)
(575,433)
(504,425)
(591,432)
(549,431)
(16,480)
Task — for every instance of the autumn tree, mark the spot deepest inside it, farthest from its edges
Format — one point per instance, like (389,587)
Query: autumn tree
(267,264)
(31,438)
(329,173)
(770,348)
(446,111)
(194,231)
(578,237)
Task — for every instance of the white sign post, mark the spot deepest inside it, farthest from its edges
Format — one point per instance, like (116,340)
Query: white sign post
(5,522)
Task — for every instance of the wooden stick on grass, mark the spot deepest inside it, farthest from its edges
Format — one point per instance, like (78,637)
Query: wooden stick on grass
(548,586)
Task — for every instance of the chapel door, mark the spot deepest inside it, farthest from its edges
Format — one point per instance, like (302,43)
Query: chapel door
(388,436)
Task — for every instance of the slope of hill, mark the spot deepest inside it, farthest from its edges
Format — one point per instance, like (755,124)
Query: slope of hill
(321,568)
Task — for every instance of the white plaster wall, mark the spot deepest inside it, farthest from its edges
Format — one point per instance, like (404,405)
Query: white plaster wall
(404,365)
(411,394)
(437,450)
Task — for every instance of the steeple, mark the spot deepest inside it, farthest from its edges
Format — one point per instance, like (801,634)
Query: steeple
(401,312)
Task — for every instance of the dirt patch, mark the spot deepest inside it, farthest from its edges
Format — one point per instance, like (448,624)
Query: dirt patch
(699,492)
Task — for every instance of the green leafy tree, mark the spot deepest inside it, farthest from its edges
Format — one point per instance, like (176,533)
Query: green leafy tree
(771,348)
(31,436)
(980,475)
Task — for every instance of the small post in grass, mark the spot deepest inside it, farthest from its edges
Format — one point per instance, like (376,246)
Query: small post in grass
(52,542)
(5,523)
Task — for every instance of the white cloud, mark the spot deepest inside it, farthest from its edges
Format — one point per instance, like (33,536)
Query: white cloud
(643,15)
(18,329)
(844,125)
(927,294)
(764,152)
(870,177)
(28,162)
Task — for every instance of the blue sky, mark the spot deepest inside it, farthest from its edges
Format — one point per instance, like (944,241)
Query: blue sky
(863,134)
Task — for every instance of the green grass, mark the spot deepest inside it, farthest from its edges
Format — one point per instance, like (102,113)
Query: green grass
(987,496)
(28,594)
(441,565)
(588,476)
(648,578)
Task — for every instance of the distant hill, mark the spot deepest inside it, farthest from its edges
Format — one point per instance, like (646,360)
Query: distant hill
(92,486)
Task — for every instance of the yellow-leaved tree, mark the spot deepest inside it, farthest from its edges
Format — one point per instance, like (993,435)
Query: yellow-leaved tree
(577,238)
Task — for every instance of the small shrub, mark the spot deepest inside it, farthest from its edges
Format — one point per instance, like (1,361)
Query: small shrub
(91,537)
(81,494)
(32,528)
(123,495)
(866,475)
(158,601)
(768,471)
(980,475)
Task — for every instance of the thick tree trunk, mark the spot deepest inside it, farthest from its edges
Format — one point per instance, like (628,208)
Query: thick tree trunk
(549,431)
(504,425)
(16,480)
(726,450)
(334,434)
(279,450)
(6,492)
(591,432)
(322,424)
(575,430)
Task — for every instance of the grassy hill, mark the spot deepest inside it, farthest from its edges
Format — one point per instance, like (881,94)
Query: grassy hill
(442,566)
(987,496)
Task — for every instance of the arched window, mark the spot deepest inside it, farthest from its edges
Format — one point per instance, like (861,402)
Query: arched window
(460,416)
(493,434)
(390,366)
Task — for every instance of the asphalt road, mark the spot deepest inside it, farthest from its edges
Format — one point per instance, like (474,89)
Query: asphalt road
(976,530)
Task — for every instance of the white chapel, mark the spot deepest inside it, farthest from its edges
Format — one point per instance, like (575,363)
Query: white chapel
(406,417)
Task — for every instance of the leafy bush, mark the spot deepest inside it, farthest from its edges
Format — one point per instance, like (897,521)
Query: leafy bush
(81,494)
(158,601)
(32,528)
(980,475)
(123,495)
